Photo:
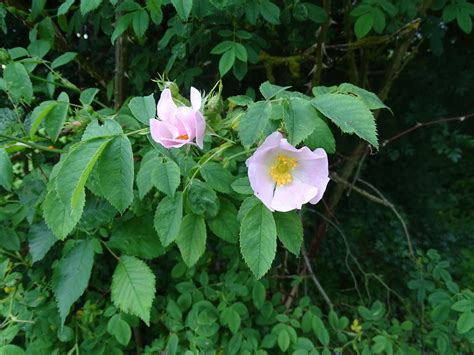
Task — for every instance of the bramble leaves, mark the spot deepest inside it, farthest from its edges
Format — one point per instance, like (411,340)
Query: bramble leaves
(168,216)
(166,177)
(6,170)
(40,240)
(255,122)
(133,287)
(71,276)
(289,230)
(258,239)
(18,82)
(300,119)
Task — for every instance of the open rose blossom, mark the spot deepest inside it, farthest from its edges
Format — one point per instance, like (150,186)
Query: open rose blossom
(285,178)
(177,126)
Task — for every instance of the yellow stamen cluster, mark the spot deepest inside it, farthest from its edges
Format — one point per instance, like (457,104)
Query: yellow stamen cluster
(280,171)
(184,136)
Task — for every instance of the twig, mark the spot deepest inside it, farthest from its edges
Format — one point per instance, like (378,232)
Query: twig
(315,279)
(120,79)
(426,124)
(320,46)
(31,144)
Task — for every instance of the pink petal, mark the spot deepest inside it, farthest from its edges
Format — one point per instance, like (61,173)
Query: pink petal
(166,105)
(200,125)
(195,99)
(261,183)
(292,196)
(270,143)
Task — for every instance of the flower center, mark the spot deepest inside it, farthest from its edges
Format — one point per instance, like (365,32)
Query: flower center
(280,171)
(184,136)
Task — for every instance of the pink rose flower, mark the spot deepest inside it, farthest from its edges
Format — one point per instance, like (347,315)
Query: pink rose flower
(285,178)
(177,126)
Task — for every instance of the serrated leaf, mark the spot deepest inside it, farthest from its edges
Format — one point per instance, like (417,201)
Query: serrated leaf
(88,95)
(166,177)
(108,129)
(55,119)
(144,178)
(121,26)
(183,8)
(269,90)
(371,100)
(202,199)
(465,322)
(219,178)
(133,287)
(242,186)
(143,108)
(258,294)
(240,52)
(115,171)
(222,47)
(191,238)
(320,330)
(65,6)
(300,119)
(258,239)
(249,203)
(464,21)
(289,230)
(168,217)
(40,240)
(71,276)
(321,137)
(39,114)
(60,217)
(349,113)
(225,225)
(6,170)
(140,22)
(269,11)
(89,5)
(76,168)
(255,122)
(63,59)
(18,82)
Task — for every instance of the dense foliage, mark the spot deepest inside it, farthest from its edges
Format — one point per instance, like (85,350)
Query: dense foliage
(112,243)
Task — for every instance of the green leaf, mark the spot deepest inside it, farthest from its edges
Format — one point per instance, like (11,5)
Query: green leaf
(269,11)
(249,203)
(136,237)
(219,178)
(465,322)
(321,137)
(242,186)
(202,200)
(55,119)
(87,96)
(222,47)
(464,21)
(268,90)
(63,59)
(120,329)
(363,25)
(350,114)
(60,217)
(18,82)
(37,7)
(300,119)
(183,8)
(71,276)
(191,239)
(258,294)
(369,98)
(450,13)
(144,178)
(6,170)
(121,26)
(115,171)
(225,225)
(65,6)
(283,340)
(240,52)
(320,331)
(255,122)
(154,6)
(133,287)
(39,114)
(76,168)
(140,22)
(168,216)
(39,48)
(289,230)
(40,240)
(143,108)
(93,130)
(226,62)
(316,13)
(258,239)
(379,20)
(89,5)
(166,177)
